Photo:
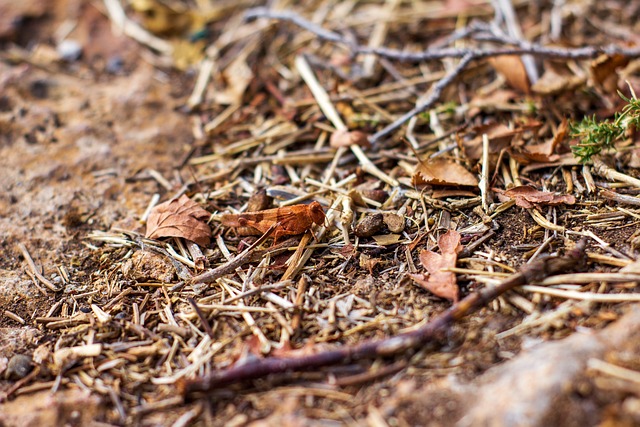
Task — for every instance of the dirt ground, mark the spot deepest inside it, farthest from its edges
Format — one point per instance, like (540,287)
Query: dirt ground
(107,332)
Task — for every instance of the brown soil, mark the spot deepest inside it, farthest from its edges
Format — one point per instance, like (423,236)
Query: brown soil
(84,142)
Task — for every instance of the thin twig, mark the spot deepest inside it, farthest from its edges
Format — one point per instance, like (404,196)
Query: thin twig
(34,269)
(434,96)
(202,317)
(522,47)
(231,265)
(329,110)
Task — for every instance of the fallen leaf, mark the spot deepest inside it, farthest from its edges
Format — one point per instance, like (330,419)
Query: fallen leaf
(500,137)
(542,152)
(438,282)
(387,239)
(443,172)
(180,218)
(345,138)
(604,71)
(492,101)
(527,197)
(512,68)
(557,79)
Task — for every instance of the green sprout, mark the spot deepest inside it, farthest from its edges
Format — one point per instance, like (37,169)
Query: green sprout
(596,136)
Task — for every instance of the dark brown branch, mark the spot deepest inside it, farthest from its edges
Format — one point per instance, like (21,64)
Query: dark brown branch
(478,31)
(536,271)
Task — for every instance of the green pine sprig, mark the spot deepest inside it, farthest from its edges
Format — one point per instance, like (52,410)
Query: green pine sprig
(596,136)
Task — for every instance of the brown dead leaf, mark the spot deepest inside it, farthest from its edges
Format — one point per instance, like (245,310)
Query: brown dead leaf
(387,239)
(500,137)
(441,283)
(489,102)
(527,197)
(604,71)
(180,218)
(543,152)
(443,172)
(512,68)
(345,138)
(557,79)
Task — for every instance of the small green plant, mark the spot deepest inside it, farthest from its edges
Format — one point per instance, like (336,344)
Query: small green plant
(596,136)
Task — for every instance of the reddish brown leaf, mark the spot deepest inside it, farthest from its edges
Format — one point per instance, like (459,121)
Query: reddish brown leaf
(180,218)
(512,68)
(345,138)
(441,283)
(527,197)
(443,172)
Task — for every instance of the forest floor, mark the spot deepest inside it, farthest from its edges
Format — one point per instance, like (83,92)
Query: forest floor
(380,312)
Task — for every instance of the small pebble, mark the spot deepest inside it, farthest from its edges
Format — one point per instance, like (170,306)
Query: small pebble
(69,50)
(18,367)
(369,226)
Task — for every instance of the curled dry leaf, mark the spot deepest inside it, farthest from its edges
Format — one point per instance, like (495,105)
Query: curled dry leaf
(345,138)
(527,197)
(441,283)
(443,172)
(180,218)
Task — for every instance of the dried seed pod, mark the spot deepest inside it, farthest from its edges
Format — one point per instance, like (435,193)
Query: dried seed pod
(369,225)
(394,222)
(379,196)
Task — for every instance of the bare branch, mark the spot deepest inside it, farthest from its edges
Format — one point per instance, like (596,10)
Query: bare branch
(433,97)
(476,31)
